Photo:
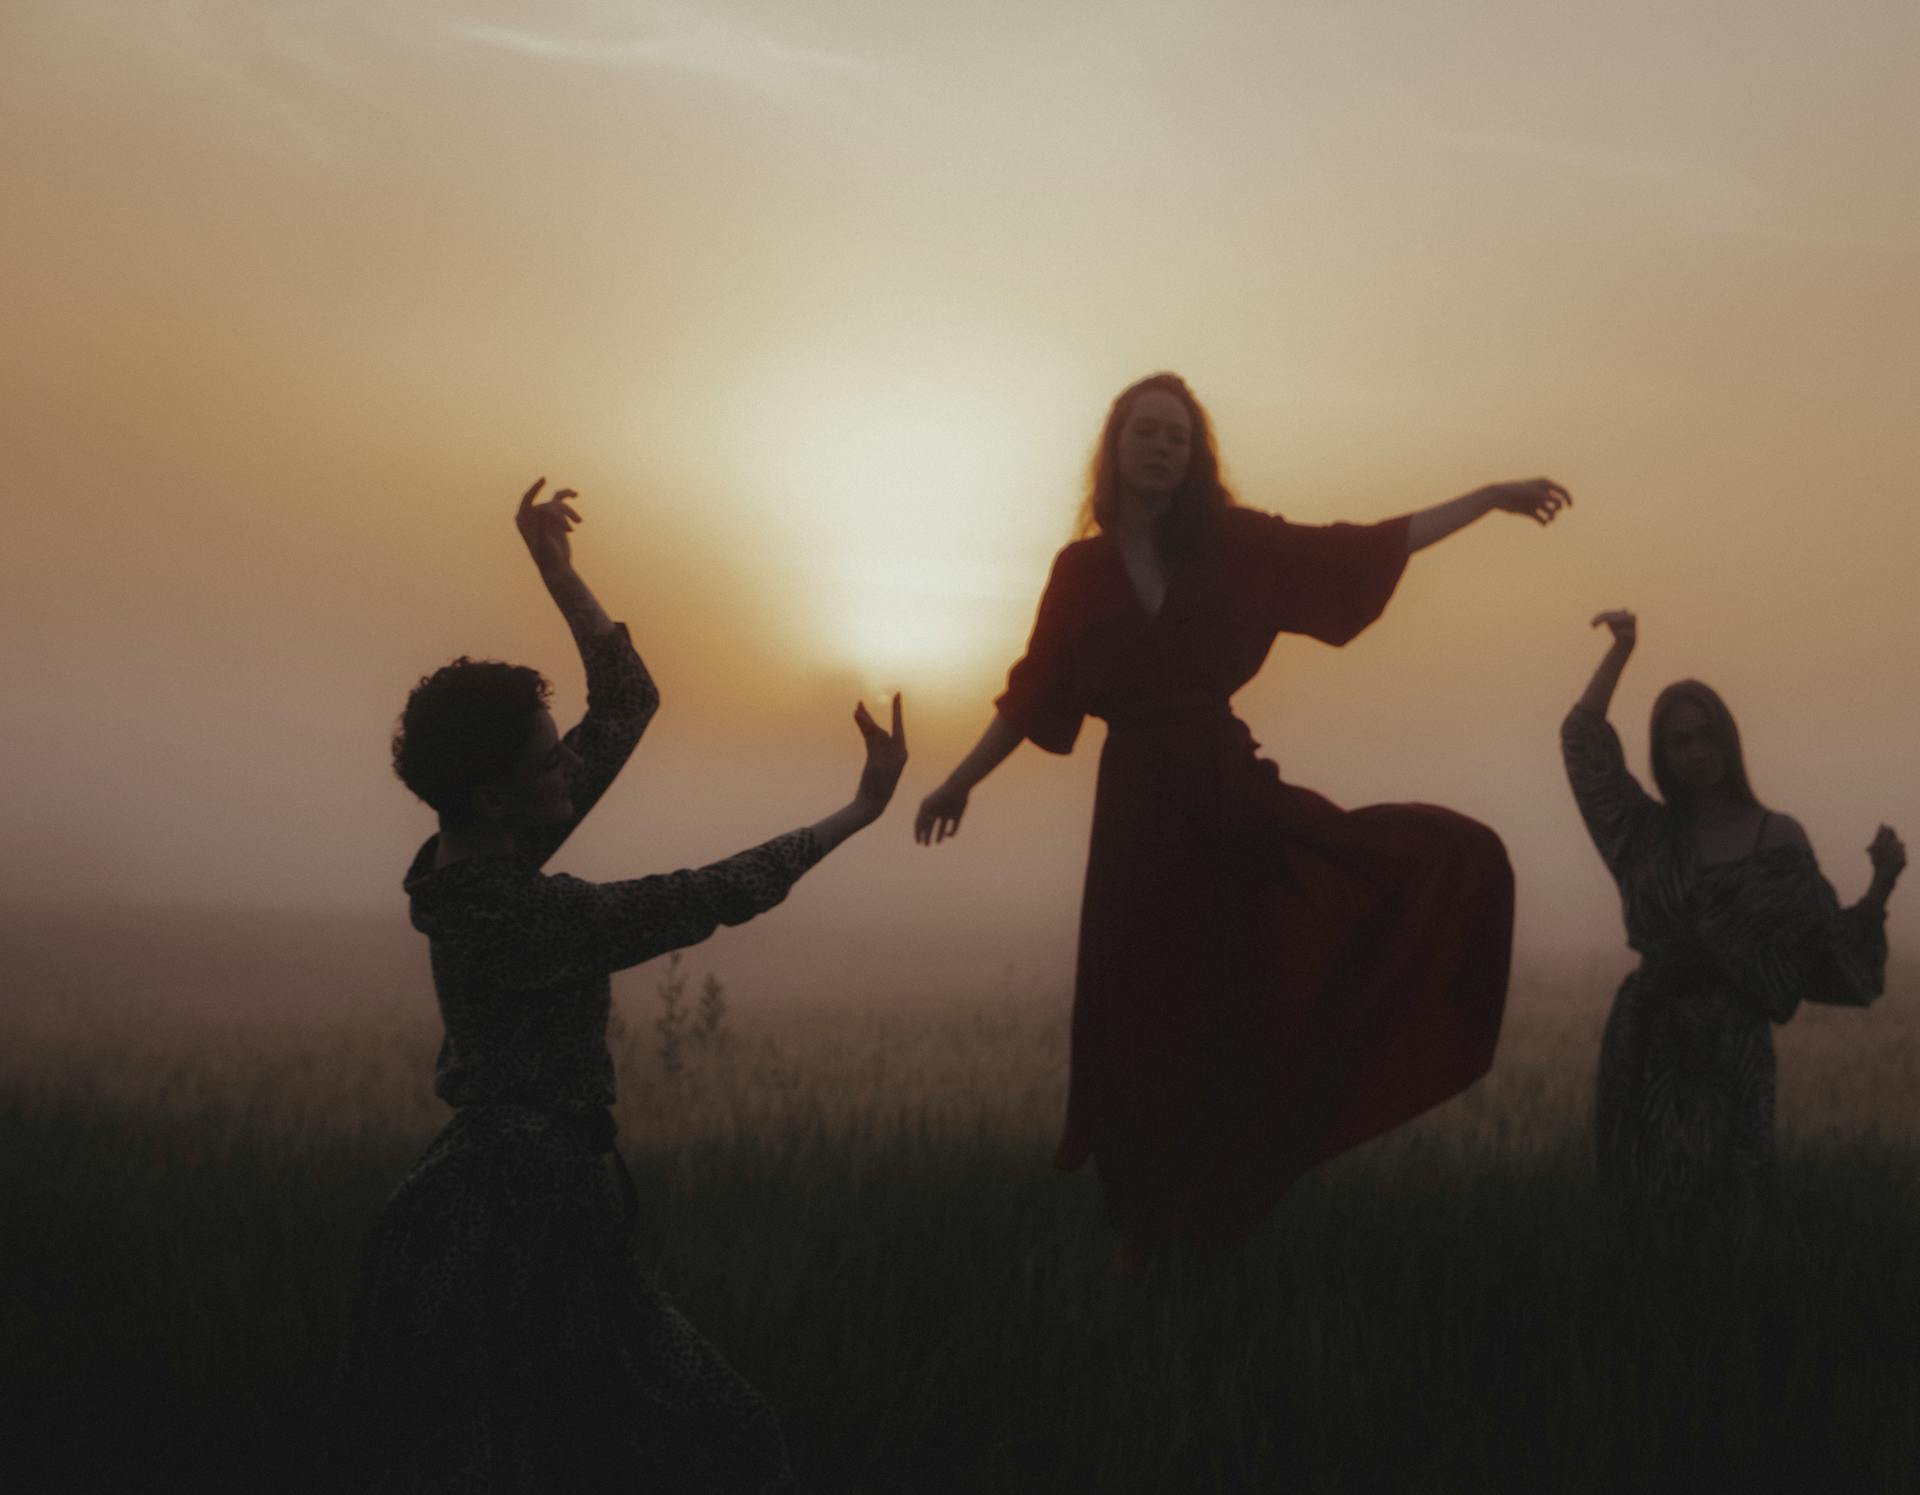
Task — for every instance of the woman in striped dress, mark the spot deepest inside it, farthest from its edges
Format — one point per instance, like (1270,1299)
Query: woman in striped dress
(1735,927)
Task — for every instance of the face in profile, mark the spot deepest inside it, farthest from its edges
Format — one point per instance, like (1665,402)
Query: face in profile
(538,792)
(1693,756)
(1155,446)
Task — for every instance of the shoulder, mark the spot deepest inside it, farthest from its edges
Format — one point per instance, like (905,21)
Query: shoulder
(1244,524)
(1077,559)
(1784,830)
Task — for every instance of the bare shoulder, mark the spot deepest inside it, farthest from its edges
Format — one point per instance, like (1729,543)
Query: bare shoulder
(1784,830)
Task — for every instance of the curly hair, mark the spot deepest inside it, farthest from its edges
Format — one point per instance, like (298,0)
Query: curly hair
(463,726)
(1202,494)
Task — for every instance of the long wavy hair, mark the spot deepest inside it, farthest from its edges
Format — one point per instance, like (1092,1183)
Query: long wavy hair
(1721,728)
(1197,502)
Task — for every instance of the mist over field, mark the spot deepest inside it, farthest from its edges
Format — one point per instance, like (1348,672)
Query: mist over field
(850,1191)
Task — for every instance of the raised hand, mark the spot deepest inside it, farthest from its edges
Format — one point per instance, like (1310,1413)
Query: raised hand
(1538,498)
(886,757)
(1888,854)
(544,527)
(1624,626)
(939,815)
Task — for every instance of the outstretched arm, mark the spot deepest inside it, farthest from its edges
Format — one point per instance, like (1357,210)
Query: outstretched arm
(1538,498)
(571,930)
(545,527)
(941,810)
(886,757)
(1599,691)
(1612,803)
(621,696)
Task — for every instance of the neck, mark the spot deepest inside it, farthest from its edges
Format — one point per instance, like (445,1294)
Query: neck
(1134,513)
(485,839)
(1716,805)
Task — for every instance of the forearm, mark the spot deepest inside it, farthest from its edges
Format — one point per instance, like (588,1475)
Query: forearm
(1425,526)
(1874,901)
(582,610)
(842,823)
(1599,692)
(995,744)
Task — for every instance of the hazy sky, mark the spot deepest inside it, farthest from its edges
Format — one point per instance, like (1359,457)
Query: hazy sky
(819,306)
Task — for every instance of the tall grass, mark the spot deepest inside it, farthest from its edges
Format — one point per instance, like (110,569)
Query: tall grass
(856,1204)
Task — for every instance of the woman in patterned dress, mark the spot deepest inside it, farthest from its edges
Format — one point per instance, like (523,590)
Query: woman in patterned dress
(1735,926)
(503,1339)
(1264,979)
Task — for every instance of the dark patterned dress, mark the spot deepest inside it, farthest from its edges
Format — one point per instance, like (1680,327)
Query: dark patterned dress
(504,1339)
(1684,1108)
(1265,979)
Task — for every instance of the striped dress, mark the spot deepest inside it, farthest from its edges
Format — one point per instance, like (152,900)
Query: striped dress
(1685,1101)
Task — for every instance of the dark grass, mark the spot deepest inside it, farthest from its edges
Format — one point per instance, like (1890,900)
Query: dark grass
(935,1312)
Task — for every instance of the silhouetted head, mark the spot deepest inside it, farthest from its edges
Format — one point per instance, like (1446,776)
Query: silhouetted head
(477,743)
(1696,747)
(1157,442)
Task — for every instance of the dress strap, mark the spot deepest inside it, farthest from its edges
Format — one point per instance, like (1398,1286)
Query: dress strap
(1765,816)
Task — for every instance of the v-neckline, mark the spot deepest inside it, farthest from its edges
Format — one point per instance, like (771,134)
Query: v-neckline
(1149,616)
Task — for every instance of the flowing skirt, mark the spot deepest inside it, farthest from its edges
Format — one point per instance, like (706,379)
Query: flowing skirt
(504,1340)
(1266,980)
(1684,1106)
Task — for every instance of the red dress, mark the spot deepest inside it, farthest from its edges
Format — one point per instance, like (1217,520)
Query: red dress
(1265,979)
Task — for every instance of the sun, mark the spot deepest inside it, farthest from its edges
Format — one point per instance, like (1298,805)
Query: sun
(907,514)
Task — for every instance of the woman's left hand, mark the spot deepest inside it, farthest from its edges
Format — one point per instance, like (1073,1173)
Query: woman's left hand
(1538,498)
(1888,855)
(886,757)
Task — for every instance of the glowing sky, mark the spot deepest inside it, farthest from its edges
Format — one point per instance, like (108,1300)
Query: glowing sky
(819,306)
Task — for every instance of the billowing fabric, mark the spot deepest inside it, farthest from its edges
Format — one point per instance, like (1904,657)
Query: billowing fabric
(504,1339)
(1264,978)
(1684,1105)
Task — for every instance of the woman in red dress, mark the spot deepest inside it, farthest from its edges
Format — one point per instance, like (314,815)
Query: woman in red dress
(1265,979)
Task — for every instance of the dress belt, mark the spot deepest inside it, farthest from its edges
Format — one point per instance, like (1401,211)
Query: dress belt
(1214,707)
(596,1127)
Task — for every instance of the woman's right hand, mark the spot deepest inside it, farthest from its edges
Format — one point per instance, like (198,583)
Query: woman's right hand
(545,526)
(940,814)
(1622,624)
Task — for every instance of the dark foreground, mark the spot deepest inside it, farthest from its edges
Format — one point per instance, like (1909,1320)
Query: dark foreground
(859,1212)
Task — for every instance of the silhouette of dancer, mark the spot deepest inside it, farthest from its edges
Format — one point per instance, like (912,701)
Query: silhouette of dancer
(1264,979)
(503,1338)
(1734,925)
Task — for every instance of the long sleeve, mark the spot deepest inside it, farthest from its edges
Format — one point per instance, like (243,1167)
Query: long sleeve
(1328,581)
(521,960)
(1618,812)
(555,930)
(1783,937)
(1039,698)
(621,701)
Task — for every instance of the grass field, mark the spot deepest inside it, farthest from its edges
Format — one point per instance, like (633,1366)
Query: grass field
(199,1119)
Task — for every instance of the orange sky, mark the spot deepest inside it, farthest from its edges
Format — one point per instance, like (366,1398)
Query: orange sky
(819,306)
